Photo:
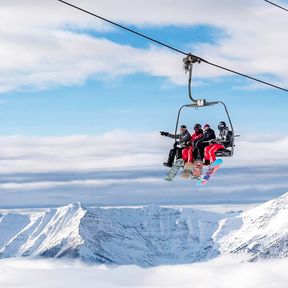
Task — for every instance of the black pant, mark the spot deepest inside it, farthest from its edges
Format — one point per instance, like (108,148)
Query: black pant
(175,152)
(198,152)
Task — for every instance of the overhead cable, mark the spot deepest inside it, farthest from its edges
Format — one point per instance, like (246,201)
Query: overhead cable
(276,5)
(197,58)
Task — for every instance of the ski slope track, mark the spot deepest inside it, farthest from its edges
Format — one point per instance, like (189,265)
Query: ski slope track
(148,235)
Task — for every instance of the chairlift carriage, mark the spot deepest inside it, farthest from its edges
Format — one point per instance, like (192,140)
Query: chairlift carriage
(202,103)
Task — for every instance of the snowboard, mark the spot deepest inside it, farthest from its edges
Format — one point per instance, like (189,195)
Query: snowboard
(174,170)
(197,170)
(187,170)
(211,170)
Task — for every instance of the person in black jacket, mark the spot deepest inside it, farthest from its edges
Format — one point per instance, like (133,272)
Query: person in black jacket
(200,144)
(222,141)
(181,142)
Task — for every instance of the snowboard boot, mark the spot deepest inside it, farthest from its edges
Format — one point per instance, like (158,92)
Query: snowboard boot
(167,164)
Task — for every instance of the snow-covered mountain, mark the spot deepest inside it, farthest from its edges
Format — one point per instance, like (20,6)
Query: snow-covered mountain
(53,234)
(146,236)
(260,233)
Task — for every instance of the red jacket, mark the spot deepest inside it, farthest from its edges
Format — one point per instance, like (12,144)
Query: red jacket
(196,136)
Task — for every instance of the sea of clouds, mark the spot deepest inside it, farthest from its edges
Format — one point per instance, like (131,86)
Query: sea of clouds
(223,272)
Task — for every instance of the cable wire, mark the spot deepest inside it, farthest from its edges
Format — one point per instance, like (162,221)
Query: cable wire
(276,5)
(199,59)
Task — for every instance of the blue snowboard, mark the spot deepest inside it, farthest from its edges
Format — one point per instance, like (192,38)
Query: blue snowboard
(211,170)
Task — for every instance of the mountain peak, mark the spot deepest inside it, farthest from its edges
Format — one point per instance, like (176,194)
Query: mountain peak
(148,235)
(259,233)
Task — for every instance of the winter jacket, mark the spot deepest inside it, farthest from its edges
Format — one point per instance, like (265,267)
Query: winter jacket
(225,136)
(196,135)
(208,134)
(182,138)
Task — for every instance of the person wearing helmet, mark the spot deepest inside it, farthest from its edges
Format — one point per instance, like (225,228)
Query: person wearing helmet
(187,153)
(224,134)
(181,140)
(221,142)
(201,143)
(221,125)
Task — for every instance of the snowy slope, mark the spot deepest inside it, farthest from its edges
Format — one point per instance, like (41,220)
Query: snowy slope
(260,233)
(144,236)
(10,225)
(147,236)
(55,233)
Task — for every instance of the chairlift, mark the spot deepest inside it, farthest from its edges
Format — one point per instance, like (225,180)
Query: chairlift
(202,103)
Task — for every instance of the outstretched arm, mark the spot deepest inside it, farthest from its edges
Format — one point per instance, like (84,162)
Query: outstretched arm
(167,134)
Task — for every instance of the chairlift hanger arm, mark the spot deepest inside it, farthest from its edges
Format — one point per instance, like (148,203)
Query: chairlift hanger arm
(188,67)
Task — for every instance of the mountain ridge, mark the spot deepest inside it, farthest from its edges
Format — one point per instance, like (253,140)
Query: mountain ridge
(147,236)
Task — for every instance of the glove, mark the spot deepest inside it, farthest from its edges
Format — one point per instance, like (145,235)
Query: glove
(164,133)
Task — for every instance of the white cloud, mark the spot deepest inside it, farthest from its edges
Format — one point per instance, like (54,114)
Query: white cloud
(114,150)
(273,152)
(38,51)
(222,272)
(117,168)
(49,63)
(118,150)
(77,183)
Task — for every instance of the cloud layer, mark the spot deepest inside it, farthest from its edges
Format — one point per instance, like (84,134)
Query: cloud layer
(223,272)
(118,150)
(118,168)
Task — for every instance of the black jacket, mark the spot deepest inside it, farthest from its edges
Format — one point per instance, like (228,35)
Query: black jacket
(208,135)
(204,140)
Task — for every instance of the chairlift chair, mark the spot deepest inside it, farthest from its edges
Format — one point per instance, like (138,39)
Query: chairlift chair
(202,103)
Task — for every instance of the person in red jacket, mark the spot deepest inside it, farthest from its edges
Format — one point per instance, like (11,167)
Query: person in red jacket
(187,153)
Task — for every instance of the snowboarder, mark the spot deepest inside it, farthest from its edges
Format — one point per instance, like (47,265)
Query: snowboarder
(201,143)
(181,142)
(222,141)
(187,153)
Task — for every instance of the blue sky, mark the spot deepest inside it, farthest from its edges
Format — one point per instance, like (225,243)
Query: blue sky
(66,74)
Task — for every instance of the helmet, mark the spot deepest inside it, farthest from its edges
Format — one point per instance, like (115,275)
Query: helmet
(221,125)
(206,125)
(183,126)
(197,126)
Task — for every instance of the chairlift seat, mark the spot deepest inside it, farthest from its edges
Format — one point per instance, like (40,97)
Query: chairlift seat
(227,151)
(223,153)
